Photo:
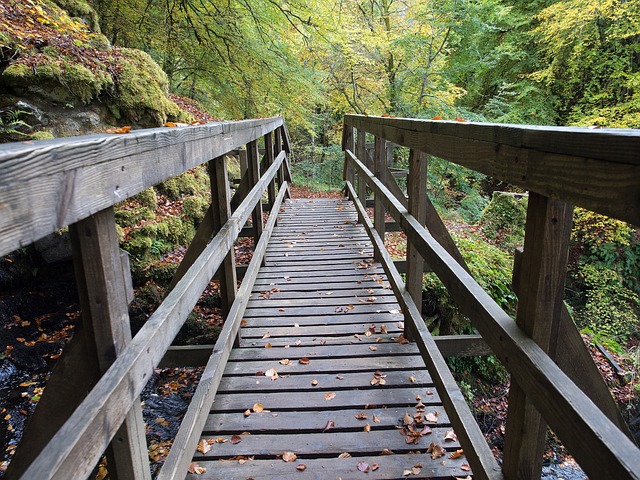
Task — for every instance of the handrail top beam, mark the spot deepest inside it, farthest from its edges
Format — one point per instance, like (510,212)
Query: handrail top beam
(620,145)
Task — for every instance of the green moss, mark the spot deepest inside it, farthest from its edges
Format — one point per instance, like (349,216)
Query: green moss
(148,198)
(195,207)
(142,89)
(130,217)
(42,135)
(81,10)
(195,182)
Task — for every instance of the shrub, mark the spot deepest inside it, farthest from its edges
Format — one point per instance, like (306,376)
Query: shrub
(609,308)
(504,218)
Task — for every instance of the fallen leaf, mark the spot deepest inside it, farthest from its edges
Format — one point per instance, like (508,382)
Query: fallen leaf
(431,417)
(339,377)
(289,456)
(371,299)
(195,468)
(465,467)
(266,335)
(304,361)
(383,328)
(436,451)
(301,467)
(406,473)
(271,373)
(361,416)
(235,439)
(203,446)
(363,467)
(373,348)
(329,425)
(386,451)
(125,129)
(257,408)
(268,345)
(394,311)
(416,469)
(367,428)
(285,361)
(247,413)
(402,339)
(330,395)
(375,467)
(408,419)
(376,419)
(412,379)
(456,454)
(314,383)
(344,455)
(450,436)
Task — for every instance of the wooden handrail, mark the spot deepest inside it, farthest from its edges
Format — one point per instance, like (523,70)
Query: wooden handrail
(598,169)
(76,447)
(47,185)
(602,450)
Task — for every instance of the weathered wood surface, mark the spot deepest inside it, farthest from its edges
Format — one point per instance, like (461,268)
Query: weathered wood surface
(47,185)
(602,450)
(595,169)
(324,337)
(77,446)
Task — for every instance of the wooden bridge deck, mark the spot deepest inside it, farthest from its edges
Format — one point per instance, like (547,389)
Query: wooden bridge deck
(323,317)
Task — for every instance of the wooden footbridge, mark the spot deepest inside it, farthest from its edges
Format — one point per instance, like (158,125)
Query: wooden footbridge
(324,367)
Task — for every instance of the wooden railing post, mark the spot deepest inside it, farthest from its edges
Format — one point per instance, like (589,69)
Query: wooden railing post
(417,191)
(361,153)
(253,158)
(348,144)
(220,213)
(540,304)
(268,157)
(277,146)
(379,166)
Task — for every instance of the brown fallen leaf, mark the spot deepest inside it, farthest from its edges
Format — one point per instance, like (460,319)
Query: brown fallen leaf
(289,456)
(375,467)
(329,425)
(344,455)
(371,299)
(465,467)
(386,451)
(372,348)
(268,345)
(450,436)
(330,395)
(304,361)
(257,408)
(339,377)
(266,335)
(285,361)
(363,467)
(402,339)
(301,467)
(456,454)
(235,439)
(271,373)
(436,451)
(431,417)
(247,412)
(361,416)
(367,428)
(376,419)
(203,446)
(406,473)
(408,419)
(416,469)
(197,469)
(383,328)
(125,129)
(314,383)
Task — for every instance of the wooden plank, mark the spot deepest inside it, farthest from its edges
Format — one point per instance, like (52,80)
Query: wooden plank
(390,467)
(295,353)
(573,357)
(379,165)
(477,451)
(226,424)
(323,365)
(326,301)
(331,319)
(179,457)
(586,431)
(254,176)
(76,447)
(311,400)
(319,443)
(325,382)
(595,169)
(416,191)
(544,270)
(357,308)
(105,317)
(221,211)
(78,176)
(316,293)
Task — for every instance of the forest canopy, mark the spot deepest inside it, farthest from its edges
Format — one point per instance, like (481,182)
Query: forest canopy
(574,62)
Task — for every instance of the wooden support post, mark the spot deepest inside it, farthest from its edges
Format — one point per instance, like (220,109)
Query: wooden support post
(268,161)
(361,153)
(254,177)
(348,173)
(417,191)
(277,144)
(573,357)
(244,163)
(544,266)
(221,212)
(379,164)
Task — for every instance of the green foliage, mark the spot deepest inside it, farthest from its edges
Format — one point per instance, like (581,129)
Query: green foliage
(609,308)
(196,331)
(504,218)
(320,169)
(492,269)
(470,370)
(10,123)
(195,182)
(194,207)
(472,207)
(41,135)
